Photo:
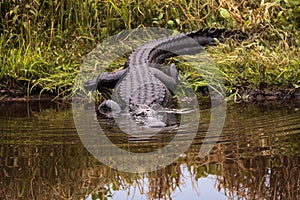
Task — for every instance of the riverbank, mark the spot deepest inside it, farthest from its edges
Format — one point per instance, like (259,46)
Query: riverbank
(43,43)
(18,94)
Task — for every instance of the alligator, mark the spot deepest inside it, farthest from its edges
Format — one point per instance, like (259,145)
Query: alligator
(142,86)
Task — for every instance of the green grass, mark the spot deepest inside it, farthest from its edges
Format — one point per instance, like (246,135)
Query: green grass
(43,43)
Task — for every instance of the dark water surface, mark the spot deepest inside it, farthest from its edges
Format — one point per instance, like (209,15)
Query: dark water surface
(257,156)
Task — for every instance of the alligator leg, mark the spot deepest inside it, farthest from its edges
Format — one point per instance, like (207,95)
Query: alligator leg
(172,71)
(170,79)
(105,79)
(109,107)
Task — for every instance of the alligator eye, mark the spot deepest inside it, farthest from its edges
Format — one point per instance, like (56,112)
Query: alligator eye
(141,113)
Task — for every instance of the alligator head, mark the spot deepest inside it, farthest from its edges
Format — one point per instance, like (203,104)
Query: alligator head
(145,115)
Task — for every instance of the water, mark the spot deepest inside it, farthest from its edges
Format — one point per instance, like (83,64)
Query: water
(256,157)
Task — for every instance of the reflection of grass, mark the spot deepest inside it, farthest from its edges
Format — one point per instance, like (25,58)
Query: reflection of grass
(69,172)
(61,168)
(42,43)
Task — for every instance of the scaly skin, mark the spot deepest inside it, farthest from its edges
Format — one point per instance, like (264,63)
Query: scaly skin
(143,85)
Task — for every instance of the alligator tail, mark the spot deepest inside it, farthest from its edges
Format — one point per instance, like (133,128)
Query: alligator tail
(207,36)
(191,43)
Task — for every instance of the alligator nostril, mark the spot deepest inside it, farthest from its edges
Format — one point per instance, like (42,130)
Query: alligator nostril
(157,124)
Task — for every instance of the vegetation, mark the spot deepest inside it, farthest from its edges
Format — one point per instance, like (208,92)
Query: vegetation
(43,43)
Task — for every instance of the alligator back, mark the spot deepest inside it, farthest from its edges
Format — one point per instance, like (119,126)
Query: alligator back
(140,86)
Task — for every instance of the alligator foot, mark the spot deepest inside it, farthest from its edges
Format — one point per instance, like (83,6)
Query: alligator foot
(172,71)
(170,79)
(105,79)
(109,108)
(91,84)
(110,80)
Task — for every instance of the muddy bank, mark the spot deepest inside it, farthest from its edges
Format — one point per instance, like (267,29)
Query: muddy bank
(19,94)
(12,94)
(260,95)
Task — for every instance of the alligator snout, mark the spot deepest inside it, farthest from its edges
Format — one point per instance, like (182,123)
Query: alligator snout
(155,123)
(146,116)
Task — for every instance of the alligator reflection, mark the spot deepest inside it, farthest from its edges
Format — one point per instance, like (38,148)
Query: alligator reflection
(41,157)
